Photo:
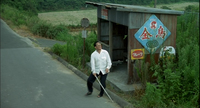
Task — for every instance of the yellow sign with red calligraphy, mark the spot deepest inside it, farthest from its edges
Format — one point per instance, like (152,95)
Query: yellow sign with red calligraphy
(137,54)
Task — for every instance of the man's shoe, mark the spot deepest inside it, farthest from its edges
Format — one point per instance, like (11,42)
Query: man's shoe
(99,96)
(88,93)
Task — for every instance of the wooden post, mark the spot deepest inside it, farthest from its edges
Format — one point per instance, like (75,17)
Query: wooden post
(84,23)
(129,65)
(111,41)
(155,3)
(132,75)
(98,28)
(84,53)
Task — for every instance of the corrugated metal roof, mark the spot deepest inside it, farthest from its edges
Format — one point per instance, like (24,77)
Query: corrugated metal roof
(134,8)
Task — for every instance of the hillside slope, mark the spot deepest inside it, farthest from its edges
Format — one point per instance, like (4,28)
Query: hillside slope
(74,17)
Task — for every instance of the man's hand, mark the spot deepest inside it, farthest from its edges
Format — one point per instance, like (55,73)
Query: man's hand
(107,70)
(94,74)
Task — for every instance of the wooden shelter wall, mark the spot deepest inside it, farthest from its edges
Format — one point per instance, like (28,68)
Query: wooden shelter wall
(104,36)
(170,21)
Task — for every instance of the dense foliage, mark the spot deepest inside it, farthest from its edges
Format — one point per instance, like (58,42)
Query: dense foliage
(178,80)
(54,5)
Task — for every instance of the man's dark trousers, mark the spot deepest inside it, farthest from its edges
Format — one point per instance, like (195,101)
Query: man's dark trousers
(91,80)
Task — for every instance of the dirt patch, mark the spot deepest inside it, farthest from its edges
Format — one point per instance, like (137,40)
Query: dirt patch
(25,32)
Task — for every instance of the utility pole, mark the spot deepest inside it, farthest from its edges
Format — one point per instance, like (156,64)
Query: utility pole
(155,3)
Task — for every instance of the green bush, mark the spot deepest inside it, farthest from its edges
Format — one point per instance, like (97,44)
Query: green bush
(16,16)
(72,51)
(142,70)
(192,8)
(62,36)
(165,7)
(32,21)
(41,28)
(55,30)
(57,49)
(89,41)
(152,97)
(47,30)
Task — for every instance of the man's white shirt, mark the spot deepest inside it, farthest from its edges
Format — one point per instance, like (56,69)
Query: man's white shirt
(100,61)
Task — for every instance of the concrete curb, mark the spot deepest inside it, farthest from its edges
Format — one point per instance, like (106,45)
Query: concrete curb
(115,98)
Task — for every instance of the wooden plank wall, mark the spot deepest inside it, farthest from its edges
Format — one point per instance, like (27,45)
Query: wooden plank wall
(136,21)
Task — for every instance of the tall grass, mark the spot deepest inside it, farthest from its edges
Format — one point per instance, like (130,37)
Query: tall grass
(72,51)
(17,17)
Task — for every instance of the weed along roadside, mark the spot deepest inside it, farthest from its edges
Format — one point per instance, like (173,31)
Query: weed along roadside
(171,83)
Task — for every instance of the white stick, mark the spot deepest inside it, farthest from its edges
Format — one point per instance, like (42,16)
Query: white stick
(103,87)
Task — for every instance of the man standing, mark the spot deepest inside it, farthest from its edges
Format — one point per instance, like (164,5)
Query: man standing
(100,65)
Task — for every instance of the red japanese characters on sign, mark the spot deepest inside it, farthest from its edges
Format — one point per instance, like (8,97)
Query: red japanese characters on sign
(137,54)
(161,33)
(145,34)
(153,25)
(152,34)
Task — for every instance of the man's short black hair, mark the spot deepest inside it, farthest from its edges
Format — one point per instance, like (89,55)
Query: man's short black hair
(95,43)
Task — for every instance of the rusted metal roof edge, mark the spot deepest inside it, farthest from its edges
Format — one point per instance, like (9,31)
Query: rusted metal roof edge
(133,8)
(161,11)
(93,3)
(98,4)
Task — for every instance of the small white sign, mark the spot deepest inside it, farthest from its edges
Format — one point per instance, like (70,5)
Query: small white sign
(84,33)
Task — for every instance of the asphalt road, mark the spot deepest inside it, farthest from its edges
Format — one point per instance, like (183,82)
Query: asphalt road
(31,78)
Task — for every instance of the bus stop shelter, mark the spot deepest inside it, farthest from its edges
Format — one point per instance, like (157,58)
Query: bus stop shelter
(123,28)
